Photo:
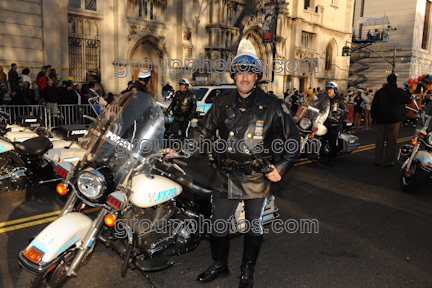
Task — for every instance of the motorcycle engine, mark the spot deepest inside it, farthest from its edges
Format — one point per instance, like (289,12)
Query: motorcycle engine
(20,178)
(161,230)
(13,177)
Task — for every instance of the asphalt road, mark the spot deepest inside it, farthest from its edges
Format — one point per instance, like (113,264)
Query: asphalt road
(371,234)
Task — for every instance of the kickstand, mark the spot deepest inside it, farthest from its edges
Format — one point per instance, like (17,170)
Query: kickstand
(148,279)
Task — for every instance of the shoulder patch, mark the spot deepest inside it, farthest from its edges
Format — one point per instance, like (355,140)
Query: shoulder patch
(285,108)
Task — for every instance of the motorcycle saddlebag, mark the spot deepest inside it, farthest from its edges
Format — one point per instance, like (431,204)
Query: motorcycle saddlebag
(72,132)
(28,121)
(349,142)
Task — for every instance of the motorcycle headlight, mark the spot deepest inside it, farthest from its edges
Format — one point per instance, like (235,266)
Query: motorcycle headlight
(305,123)
(91,184)
(429,138)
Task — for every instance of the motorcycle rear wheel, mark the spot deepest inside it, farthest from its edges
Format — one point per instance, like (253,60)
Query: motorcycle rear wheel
(413,183)
(30,280)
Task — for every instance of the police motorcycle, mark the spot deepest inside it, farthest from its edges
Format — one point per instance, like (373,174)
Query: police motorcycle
(141,215)
(28,158)
(310,118)
(416,158)
(33,162)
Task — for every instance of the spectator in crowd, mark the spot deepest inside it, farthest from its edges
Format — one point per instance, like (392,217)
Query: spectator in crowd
(287,93)
(110,98)
(25,76)
(67,96)
(295,102)
(84,93)
(13,77)
(166,89)
(28,93)
(358,109)
(50,93)
(3,85)
(53,76)
(41,73)
(388,110)
(129,88)
(412,116)
(366,110)
(43,82)
(17,97)
(75,90)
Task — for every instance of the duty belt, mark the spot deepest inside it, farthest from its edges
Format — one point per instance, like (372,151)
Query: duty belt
(248,167)
(229,165)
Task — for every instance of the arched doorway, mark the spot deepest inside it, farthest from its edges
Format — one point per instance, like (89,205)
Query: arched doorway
(148,51)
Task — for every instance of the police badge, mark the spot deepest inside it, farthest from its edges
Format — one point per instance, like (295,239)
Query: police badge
(285,108)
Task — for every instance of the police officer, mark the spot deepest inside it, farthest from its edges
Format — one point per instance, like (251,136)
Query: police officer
(184,106)
(141,84)
(246,119)
(334,122)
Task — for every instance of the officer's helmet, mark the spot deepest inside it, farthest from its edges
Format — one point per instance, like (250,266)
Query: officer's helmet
(332,85)
(246,62)
(144,74)
(184,81)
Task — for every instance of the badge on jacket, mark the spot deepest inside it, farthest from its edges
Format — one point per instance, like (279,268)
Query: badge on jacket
(259,129)
(285,108)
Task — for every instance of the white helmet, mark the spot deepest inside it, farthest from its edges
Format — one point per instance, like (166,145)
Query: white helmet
(144,74)
(184,81)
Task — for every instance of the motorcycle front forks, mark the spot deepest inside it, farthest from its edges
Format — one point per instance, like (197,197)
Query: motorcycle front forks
(88,241)
(414,152)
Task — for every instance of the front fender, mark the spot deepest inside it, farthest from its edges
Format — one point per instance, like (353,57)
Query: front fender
(61,234)
(425,159)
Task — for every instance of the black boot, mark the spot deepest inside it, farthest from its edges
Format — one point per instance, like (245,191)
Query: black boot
(219,268)
(252,246)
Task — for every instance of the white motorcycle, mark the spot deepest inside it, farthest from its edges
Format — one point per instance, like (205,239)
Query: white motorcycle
(140,216)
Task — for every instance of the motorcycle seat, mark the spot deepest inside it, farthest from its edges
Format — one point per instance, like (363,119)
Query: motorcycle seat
(34,146)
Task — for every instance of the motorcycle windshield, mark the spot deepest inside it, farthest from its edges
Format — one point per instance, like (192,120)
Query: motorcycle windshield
(315,108)
(128,130)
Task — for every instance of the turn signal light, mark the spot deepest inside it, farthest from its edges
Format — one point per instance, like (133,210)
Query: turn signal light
(311,136)
(414,142)
(33,254)
(110,220)
(61,189)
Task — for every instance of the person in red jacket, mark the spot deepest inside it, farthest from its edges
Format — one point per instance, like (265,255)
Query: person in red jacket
(43,82)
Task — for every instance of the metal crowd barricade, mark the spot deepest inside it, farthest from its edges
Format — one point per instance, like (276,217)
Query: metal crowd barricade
(69,114)
(52,116)
(20,110)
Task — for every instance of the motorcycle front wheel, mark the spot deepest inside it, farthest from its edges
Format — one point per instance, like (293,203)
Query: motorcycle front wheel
(410,181)
(30,280)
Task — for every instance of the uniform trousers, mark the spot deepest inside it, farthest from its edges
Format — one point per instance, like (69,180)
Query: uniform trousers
(223,208)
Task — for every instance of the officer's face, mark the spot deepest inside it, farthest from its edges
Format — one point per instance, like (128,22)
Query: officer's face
(330,92)
(182,87)
(245,82)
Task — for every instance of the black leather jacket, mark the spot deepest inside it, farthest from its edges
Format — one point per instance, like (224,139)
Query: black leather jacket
(266,120)
(338,111)
(184,105)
